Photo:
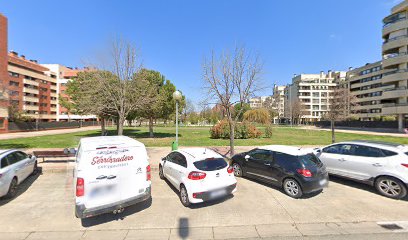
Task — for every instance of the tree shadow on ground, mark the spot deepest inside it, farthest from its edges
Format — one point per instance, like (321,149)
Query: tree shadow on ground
(13,145)
(204,204)
(359,185)
(133,133)
(109,217)
(24,186)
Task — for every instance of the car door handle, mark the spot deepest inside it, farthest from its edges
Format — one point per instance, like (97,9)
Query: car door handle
(267,164)
(377,165)
(17,169)
(111,177)
(342,160)
(101,177)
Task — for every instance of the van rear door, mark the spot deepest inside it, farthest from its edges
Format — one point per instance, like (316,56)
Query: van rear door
(133,178)
(101,170)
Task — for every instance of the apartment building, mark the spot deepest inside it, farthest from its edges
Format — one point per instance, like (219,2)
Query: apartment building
(367,89)
(395,63)
(308,96)
(258,102)
(3,75)
(32,88)
(278,99)
(64,75)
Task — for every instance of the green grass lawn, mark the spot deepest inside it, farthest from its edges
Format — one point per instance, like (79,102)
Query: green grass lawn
(195,136)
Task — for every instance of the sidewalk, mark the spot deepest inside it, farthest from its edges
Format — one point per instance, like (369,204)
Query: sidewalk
(365,131)
(13,135)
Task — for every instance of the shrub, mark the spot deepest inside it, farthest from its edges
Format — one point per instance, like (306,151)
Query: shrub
(268,131)
(243,130)
(389,118)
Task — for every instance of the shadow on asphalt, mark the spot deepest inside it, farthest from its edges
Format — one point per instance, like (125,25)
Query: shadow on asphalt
(204,204)
(358,185)
(24,186)
(109,217)
(305,196)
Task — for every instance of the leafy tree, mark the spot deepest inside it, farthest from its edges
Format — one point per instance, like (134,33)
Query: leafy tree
(259,115)
(67,104)
(16,115)
(240,109)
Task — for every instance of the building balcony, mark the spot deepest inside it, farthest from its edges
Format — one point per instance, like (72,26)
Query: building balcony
(53,87)
(53,109)
(30,107)
(361,107)
(53,94)
(395,25)
(55,102)
(395,108)
(30,82)
(395,42)
(30,90)
(362,84)
(395,75)
(394,59)
(30,99)
(395,92)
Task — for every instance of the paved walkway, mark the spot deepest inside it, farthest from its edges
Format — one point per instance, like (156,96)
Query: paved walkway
(6,136)
(356,131)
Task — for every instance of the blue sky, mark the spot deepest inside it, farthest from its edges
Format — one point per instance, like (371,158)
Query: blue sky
(174,36)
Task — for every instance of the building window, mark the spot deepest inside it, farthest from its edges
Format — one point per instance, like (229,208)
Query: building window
(13,74)
(12,83)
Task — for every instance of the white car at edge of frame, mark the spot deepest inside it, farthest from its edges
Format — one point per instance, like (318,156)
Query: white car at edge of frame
(199,174)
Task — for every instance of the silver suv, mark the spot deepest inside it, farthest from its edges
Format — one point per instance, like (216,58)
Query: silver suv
(380,164)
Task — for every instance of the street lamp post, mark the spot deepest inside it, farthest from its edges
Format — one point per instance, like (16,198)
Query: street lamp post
(177,96)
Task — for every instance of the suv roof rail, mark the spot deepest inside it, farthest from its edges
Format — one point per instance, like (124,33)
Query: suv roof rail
(388,144)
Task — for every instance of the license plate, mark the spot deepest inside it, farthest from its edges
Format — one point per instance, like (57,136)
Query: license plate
(323,182)
(218,193)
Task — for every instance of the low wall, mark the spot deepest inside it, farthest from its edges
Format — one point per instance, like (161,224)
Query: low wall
(359,124)
(32,126)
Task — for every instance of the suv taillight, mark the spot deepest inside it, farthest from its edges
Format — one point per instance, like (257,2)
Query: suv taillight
(80,187)
(305,172)
(405,164)
(196,175)
(148,173)
(230,169)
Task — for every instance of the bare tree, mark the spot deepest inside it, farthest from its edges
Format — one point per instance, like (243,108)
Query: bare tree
(231,78)
(117,83)
(340,104)
(296,110)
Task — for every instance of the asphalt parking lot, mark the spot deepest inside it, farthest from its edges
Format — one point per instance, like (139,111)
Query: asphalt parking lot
(44,209)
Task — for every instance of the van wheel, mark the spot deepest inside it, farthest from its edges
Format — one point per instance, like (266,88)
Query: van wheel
(292,188)
(161,175)
(12,189)
(391,187)
(184,196)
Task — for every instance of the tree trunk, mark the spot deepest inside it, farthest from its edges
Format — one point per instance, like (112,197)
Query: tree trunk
(103,126)
(151,134)
(332,131)
(120,123)
(232,135)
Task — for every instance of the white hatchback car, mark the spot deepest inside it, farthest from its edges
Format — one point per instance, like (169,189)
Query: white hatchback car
(199,174)
(15,167)
(380,164)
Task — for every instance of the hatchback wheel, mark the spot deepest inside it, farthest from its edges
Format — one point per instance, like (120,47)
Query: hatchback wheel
(237,170)
(391,187)
(12,189)
(35,170)
(161,175)
(292,188)
(184,196)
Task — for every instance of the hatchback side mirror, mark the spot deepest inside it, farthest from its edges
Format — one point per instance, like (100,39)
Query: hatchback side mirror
(30,156)
(164,159)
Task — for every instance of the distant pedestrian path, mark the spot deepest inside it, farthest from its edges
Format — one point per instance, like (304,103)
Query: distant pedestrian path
(45,132)
(357,131)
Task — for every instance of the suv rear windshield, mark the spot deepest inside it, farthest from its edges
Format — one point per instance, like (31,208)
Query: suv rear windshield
(211,164)
(310,160)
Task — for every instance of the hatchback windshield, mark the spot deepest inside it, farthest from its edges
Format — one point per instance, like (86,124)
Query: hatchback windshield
(211,164)
(310,160)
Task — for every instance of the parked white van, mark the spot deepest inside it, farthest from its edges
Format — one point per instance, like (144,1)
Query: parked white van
(111,173)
